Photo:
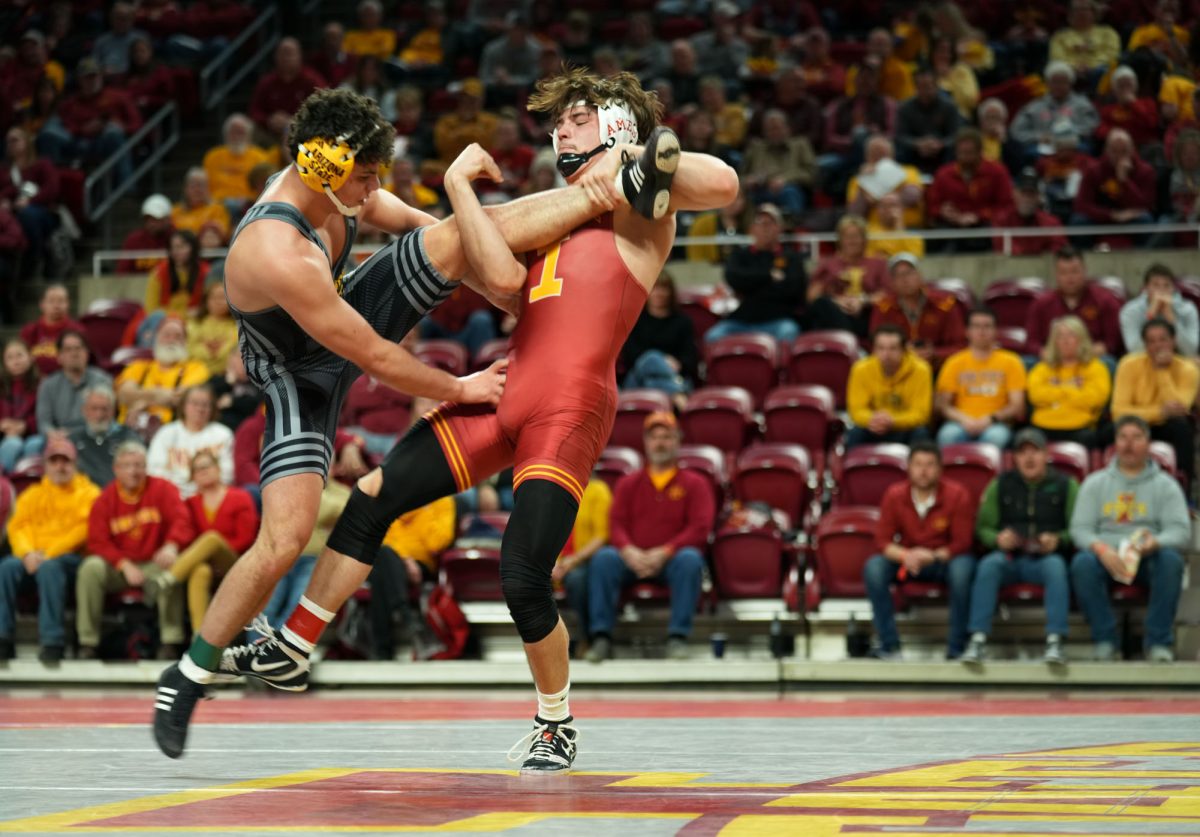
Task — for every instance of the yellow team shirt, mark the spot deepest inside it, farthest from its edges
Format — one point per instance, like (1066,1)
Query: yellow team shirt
(1098,47)
(895,80)
(229,173)
(149,373)
(52,518)
(907,395)
(424,49)
(1151,33)
(451,134)
(422,533)
(210,341)
(981,387)
(1068,397)
(591,522)
(1140,388)
(1178,91)
(914,216)
(380,43)
(881,248)
(197,218)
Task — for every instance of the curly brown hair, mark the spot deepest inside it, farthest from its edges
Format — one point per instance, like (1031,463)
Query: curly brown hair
(575,84)
(328,114)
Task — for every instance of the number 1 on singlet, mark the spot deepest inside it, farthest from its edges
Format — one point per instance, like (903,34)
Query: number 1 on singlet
(548,285)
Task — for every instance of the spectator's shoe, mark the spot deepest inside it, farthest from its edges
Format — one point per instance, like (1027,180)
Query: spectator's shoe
(600,650)
(50,655)
(646,180)
(169,651)
(271,659)
(1105,652)
(551,748)
(887,655)
(677,648)
(7,650)
(1055,654)
(1160,654)
(976,651)
(87,652)
(173,707)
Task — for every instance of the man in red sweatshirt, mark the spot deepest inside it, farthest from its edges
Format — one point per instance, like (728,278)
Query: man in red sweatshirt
(660,521)
(42,334)
(136,529)
(926,528)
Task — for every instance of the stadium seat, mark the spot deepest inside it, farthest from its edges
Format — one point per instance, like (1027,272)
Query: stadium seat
(376,407)
(447,355)
(867,471)
(694,304)
(145,425)
(802,414)
(824,357)
(710,462)
(104,322)
(27,471)
(1012,338)
(719,416)
(1011,298)
(1114,285)
(472,575)
(633,405)
(779,475)
(1071,458)
(489,353)
(748,563)
(960,290)
(125,355)
(972,465)
(8,496)
(750,361)
(843,540)
(615,462)
(1189,286)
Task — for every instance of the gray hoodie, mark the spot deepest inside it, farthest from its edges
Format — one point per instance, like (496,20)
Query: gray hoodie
(1187,324)
(1110,506)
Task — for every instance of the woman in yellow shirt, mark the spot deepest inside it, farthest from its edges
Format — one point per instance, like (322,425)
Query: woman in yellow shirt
(1070,386)
(212,334)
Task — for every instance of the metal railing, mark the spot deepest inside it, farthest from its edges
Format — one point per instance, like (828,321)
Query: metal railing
(227,70)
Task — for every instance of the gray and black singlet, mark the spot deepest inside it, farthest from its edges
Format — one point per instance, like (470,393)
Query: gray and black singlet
(305,383)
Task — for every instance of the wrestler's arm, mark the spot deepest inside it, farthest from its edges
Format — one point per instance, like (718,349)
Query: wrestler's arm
(485,248)
(702,181)
(507,302)
(386,212)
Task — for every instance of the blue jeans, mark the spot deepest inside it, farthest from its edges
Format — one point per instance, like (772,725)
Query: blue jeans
(861,436)
(575,584)
(652,370)
(608,574)
(784,329)
(1161,571)
(53,579)
(479,329)
(996,570)
(15,448)
(880,574)
(953,433)
(287,593)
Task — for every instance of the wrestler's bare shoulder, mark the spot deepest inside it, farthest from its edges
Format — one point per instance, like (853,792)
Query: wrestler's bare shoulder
(644,245)
(267,258)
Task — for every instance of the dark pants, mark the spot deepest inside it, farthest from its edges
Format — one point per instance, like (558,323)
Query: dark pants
(391,593)
(575,585)
(997,569)
(1161,571)
(861,436)
(1179,433)
(608,575)
(53,579)
(824,314)
(880,574)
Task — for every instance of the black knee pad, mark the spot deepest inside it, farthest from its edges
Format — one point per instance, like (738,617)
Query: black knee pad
(538,528)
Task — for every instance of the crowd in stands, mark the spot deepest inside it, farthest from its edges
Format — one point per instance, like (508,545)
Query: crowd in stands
(1046,117)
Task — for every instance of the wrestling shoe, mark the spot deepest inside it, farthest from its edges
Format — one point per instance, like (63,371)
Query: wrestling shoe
(646,179)
(551,748)
(272,659)
(173,706)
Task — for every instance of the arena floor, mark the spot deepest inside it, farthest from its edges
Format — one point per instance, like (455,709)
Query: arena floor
(689,763)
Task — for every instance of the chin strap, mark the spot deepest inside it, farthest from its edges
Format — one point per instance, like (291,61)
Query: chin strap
(570,163)
(348,211)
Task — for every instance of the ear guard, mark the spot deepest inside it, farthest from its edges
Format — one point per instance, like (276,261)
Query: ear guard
(325,165)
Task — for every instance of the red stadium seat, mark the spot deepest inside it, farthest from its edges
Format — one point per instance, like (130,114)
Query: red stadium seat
(26,472)
(489,353)
(710,462)
(473,575)
(802,414)
(376,407)
(633,405)
(1189,286)
(960,290)
(615,462)
(868,471)
(446,355)
(694,303)
(778,475)
(1011,298)
(105,322)
(1115,286)
(824,357)
(750,361)
(1012,338)
(1071,458)
(719,416)
(972,465)
(748,563)
(125,355)
(843,541)
(8,496)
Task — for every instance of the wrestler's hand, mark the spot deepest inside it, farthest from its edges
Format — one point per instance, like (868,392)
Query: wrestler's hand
(474,163)
(484,387)
(600,182)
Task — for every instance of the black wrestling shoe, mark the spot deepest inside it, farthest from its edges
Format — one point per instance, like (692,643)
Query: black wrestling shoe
(173,707)
(551,748)
(646,180)
(272,659)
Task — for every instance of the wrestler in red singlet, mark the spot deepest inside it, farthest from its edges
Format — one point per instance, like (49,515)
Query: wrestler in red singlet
(578,306)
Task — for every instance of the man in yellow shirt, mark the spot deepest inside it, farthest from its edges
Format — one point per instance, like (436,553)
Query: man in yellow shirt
(156,385)
(48,527)
(889,394)
(1164,35)
(371,37)
(1086,45)
(228,165)
(198,207)
(895,75)
(468,122)
(980,390)
(1160,387)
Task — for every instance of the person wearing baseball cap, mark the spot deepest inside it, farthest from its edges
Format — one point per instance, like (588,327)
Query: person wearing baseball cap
(94,122)
(47,531)
(660,520)
(1027,212)
(153,234)
(1024,519)
(930,317)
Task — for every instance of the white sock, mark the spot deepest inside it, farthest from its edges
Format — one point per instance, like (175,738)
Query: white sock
(193,672)
(554,707)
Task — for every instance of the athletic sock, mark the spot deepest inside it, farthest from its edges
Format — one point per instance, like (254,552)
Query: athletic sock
(554,707)
(304,626)
(203,655)
(189,669)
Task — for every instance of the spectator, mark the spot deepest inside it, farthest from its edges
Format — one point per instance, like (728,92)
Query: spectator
(846,284)
(99,436)
(111,50)
(1160,299)
(889,395)
(41,110)
(954,76)
(577,40)
(1160,387)
(156,385)
(885,235)
(368,80)
(929,317)
(22,75)
(465,317)
(730,117)
(507,63)
(371,38)
(1138,116)
(136,529)
(1070,387)
(91,124)
(1036,123)
(825,77)
(720,50)
(1130,523)
(849,121)
(278,94)
(12,244)
(683,75)
(1024,520)
(414,133)
(42,334)
(1062,173)
(881,176)
(1185,178)
(1163,35)
(980,390)
(228,165)
(61,394)
(404,184)
(512,155)
(199,209)
(641,53)
(768,280)
(660,352)
(18,406)
(237,397)
(589,534)
(925,531)
(29,187)
(1074,295)
(466,124)
(148,82)
(212,333)
(700,136)
(1182,123)
(1026,212)
(225,522)
(153,234)
(46,532)
(895,76)
(331,60)
(665,545)
(969,193)
(176,285)
(1085,45)
(998,146)
(778,168)
(176,444)
(803,111)
(926,125)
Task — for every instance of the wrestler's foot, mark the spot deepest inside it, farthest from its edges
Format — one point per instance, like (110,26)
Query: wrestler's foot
(646,180)
(551,748)
(173,706)
(271,659)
